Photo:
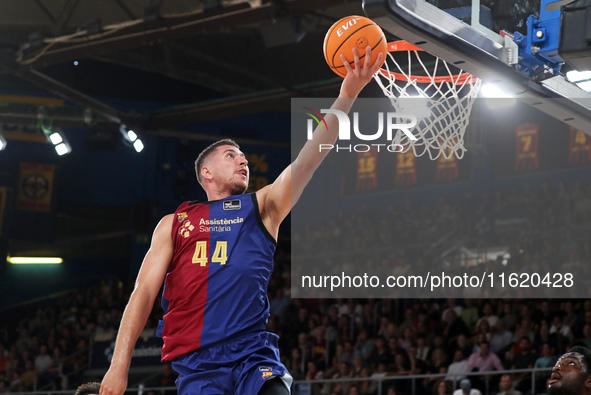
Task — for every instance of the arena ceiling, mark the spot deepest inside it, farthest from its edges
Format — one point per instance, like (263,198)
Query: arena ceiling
(199,60)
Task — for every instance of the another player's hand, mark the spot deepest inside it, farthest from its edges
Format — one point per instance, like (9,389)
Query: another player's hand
(359,76)
(114,382)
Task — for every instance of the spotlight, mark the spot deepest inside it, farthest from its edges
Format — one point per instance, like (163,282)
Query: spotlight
(138,145)
(57,138)
(132,138)
(492,91)
(2,142)
(131,135)
(581,78)
(62,149)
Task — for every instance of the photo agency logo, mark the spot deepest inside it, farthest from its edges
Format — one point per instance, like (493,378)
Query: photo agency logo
(389,124)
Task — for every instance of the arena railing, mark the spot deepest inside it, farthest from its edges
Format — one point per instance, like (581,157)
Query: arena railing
(314,387)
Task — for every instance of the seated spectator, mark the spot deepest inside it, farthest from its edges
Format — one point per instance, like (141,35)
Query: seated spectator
(422,348)
(358,365)
(483,331)
(470,313)
(416,365)
(296,364)
(313,373)
(457,369)
(544,336)
(453,326)
(466,388)
(380,373)
(363,346)
(407,339)
(43,360)
(28,376)
(364,387)
(484,360)
(438,366)
(569,319)
(546,360)
(506,386)
(343,373)
(524,360)
(487,314)
(442,387)
(561,330)
(452,304)
(501,339)
(462,343)
(508,316)
(380,353)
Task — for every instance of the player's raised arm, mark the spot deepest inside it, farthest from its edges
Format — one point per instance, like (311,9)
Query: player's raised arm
(147,286)
(277,199)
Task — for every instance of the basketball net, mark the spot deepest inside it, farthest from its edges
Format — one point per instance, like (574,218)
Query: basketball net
(440,99)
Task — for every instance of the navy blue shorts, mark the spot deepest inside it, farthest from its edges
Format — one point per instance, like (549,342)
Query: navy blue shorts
(238,367)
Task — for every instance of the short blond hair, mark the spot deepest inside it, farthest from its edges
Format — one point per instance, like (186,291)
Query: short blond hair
(207,151)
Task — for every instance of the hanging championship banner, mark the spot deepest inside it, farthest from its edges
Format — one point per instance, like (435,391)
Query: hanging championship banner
(447,169)
(2,205)
(367,170)
(526,150)
(406,169)
(580,148)
(35,187)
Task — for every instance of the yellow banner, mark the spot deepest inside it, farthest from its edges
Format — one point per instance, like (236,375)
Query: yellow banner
(23,133)
(447,169)
(35,187)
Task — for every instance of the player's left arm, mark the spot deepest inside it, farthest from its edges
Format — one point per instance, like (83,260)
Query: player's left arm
(277,199)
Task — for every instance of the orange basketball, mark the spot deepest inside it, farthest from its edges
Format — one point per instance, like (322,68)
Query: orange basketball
(348,33)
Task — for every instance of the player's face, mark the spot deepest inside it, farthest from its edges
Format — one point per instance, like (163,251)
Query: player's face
(569,375)
(230,169)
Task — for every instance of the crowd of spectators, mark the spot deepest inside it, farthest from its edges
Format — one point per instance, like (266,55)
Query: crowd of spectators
(546,228)
(357,339)
(46,346)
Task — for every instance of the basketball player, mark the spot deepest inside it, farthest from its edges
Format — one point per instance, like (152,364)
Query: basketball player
(88,389)
(572,373)
(217,258)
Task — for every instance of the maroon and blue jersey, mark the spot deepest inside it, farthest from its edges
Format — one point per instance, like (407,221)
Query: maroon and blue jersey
(216,285)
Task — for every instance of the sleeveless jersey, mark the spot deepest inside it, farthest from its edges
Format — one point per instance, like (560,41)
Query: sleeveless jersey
(216,286)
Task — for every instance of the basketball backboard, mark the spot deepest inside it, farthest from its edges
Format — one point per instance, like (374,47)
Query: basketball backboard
(467,33)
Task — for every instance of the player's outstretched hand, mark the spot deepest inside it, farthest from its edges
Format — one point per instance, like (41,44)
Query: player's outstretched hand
(114,383)
(358,77)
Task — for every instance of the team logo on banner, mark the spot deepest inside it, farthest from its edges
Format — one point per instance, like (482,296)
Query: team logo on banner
(267,372)
(406,169)
(35,187)
(367,170)
(447,169)
(580,148)
(526,140)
